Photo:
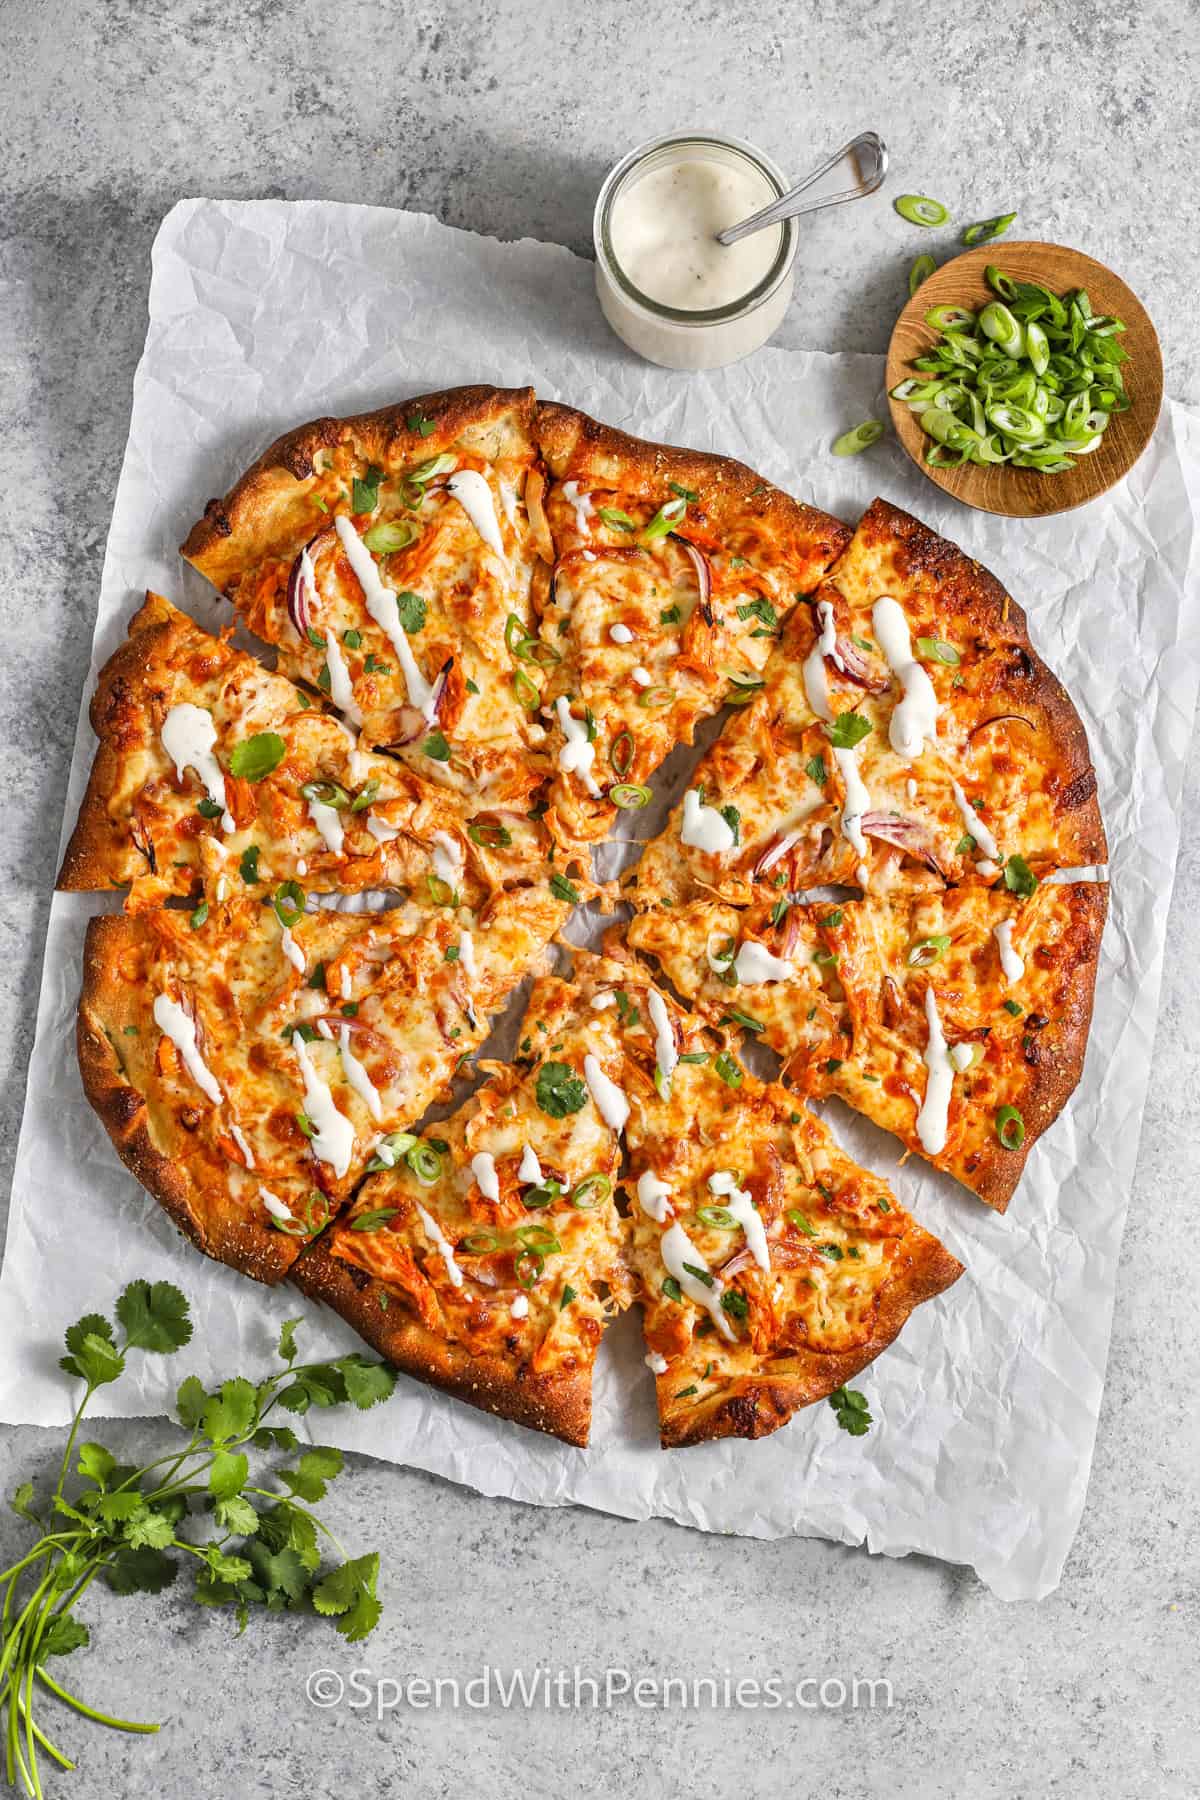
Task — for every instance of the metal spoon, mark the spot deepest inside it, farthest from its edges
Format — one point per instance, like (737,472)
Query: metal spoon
(870,161)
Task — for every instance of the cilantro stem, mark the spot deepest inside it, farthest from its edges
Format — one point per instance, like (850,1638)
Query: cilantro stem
(90,1712)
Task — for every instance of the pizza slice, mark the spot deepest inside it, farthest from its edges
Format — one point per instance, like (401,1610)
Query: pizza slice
(390,558)
(671,573)
(965,1023)
(211,771)
(906,737)
(957,1019)
(247,1059)
(771,1269)
(487,1258)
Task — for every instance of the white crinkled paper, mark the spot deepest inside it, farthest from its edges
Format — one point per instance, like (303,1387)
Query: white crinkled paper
(264,314)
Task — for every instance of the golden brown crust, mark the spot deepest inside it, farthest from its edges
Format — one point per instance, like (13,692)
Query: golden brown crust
(760,1404)
(266,512)
(583,448)
(101,852)
(108,1004)
(559,1403)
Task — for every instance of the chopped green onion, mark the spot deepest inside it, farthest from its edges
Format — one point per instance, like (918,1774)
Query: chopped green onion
(860,438)
(919,209)
(729,1069)
(665,520)
(527,691)
(950,318)
(489,835)
(538,1237)
(562,889)
(672,1289)
(368,792)
(389,536)
(939,650)
(1010,1128)
(288,901)
(629,795)
(424,1162)
(986,229)
(480,1243)
(655,696)
(374,1220)
(621,754)
(718,1217)
(795,1217)
(528,1266)
(928,951)
(199,916)
(618,520)
(591,1192)
(921,270)
(326,793)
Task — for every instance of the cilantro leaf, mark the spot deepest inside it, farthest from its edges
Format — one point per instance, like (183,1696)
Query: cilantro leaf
(560,1090)
(853,1414)
(315,1468)
(254,758)
(286,1347)
(227,1474)
(1019,878)
(367,1383)
(411,608)
(236,1515)
(63,1635)
(364,492)
(230,1413)
(436,746)
(758,609)
(93,1355)
(150,1530)
(95,1463)
(816,771)
(155,1318)
(848,729)
(190,1401)
(349,1591)
(139,1570)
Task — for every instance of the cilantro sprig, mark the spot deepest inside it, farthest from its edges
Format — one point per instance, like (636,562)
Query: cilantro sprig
(247,1543)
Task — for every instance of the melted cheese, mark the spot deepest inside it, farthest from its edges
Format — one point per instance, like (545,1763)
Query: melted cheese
(974,825)
(333,1134)
(703,827)
(1011,961)
(530,1168)
(189,736)
(666,1055)
(475,497)
(577,754)
(915,717)
(483,1168)
(754,964)
(442,1244)
(654,1198)
(383,607)
(174,1023)
(933,1120)
(357,1077)
(858,803)
(739,1202)
(611,1103)
(677,1249)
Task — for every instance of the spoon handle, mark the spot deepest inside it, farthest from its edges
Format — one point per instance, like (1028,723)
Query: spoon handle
(871,161)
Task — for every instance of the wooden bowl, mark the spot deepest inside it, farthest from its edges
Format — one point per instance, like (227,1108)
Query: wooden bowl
(1000,488)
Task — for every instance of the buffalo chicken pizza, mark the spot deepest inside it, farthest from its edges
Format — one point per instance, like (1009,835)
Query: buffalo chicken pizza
(492,620)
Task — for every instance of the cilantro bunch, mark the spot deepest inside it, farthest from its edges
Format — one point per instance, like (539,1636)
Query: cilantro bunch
(247,1544)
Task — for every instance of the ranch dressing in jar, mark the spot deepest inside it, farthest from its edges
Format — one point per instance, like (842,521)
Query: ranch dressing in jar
(666,287)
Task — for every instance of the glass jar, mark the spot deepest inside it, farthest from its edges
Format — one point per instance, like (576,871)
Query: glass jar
(707,336)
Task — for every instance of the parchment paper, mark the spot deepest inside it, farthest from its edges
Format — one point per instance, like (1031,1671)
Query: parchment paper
(263,314)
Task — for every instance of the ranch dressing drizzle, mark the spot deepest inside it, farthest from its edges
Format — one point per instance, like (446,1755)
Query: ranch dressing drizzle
(292,950)
(975,826)
(754,964)
(611,1103)
(858,802)
(582,504)
(276,1207)
(620,634)
(333,1136)
(1011,960)
(239,1139)
(475,497)
(189,734)
(340,690)
(933,1119)
(382,605)
(577,754)
(174,1023)
(447,858)
(915,717)
(483,1168)
(666,1055)
(738,1201)
(442,1244)
(654,1198)
(655,1363)
(466,955)
(357,1077)
(816,679)
(518,1306)
(703,827)
(328,824)
(677,1249)
(664,226)
(530,1169)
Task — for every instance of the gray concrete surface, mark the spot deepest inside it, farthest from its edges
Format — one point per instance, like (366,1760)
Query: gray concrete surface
(503,120)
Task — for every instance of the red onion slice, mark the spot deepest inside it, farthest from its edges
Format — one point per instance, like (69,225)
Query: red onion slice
(741,1259)
(906,835)
(854,667)
(999,719)
(774,851)
(700,563)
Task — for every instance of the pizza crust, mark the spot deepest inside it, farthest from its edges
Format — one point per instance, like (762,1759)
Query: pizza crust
(559,1403)
(168,1172)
